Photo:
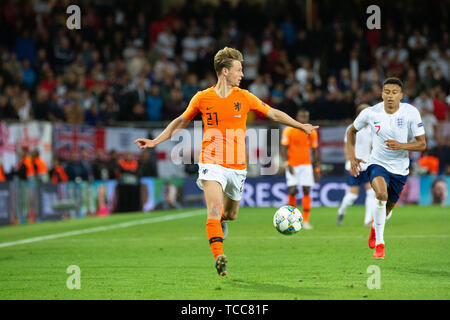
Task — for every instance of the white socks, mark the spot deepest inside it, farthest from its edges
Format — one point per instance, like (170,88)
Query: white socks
(371,202)
(379,220)
(348,200)
(389,215)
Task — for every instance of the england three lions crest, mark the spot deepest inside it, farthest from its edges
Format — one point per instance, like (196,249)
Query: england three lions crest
(400,122)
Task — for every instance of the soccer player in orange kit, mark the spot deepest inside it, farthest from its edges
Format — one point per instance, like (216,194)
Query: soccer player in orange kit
(223,161)
(295,147)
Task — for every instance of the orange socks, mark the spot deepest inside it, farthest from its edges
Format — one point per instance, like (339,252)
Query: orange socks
(215,236)
(306,205)
(292,200)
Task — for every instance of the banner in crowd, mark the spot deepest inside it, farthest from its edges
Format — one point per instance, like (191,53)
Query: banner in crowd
(7,147)
(331,144)
(5,203)
(74,139)
(271,191)
(122,139)
(32,135)
(71,140)
(50,195)
(101,197)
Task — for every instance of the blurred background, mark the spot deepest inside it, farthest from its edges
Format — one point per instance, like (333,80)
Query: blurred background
(73,101)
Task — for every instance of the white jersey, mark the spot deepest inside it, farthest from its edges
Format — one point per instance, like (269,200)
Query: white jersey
(363,145)
(400,126)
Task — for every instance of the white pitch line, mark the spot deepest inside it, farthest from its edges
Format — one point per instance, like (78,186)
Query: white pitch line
(104,228)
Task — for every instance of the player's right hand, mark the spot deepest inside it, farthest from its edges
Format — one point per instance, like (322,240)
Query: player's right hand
(145,143)
(291,170)
(355,166)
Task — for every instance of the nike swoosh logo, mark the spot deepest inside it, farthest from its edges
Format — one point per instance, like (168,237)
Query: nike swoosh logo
(209,108)
(238,116)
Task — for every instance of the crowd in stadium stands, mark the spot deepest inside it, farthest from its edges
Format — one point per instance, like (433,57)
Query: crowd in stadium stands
(129,67)
(104,167)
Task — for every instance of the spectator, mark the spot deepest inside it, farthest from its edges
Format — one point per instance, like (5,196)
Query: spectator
(190,49)
(28,74)
(57,173)
(423,103)
(138,113)
(113,163)
(166,43)
(429,163)
(63,53)
(174,106)
(277,94)
(25,167)
(92,115)
(441,108)
(291,103)
(147,164)
(7,111)
(190,88)
(40,167)
(259,88)
(2,172)
(154,104)
(75,169)
(251,61)
(100,167)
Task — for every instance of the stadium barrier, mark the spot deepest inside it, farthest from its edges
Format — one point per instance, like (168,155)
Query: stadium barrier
(33,201)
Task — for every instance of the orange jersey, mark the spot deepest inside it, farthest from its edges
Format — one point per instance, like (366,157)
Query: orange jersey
(299,144)
(40,166)
(2,175)
(224,125)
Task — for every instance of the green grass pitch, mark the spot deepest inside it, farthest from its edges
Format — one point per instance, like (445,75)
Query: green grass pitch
(171,259)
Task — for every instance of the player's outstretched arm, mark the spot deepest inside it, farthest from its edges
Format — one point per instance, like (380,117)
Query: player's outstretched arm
(177,124)
(281,117)
(355,163)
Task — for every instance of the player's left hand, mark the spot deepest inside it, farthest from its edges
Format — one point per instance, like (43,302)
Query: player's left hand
(393,145)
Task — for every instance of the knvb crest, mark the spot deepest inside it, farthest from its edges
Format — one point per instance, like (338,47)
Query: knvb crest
(237,106)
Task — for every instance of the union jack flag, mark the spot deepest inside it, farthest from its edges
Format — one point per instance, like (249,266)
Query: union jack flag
(70,138)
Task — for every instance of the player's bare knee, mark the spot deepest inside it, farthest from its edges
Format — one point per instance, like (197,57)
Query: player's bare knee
(215,210)
(381,196)
(231,215)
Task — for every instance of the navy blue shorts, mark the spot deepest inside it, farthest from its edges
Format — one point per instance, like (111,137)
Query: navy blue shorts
(395,182)
(360,180)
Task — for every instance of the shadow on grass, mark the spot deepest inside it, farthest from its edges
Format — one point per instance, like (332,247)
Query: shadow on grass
(300,292)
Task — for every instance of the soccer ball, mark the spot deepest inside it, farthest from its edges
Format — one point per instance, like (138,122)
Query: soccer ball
(288,220)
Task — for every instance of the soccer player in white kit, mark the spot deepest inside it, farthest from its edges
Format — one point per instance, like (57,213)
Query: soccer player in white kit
(392,123)
(363,147)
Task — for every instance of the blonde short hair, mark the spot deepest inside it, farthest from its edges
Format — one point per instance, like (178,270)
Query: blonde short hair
(224,59)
